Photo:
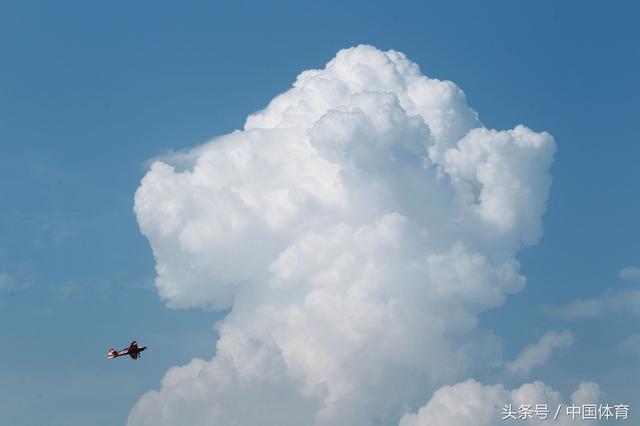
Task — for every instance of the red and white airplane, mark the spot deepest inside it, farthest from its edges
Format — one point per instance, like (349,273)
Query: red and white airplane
(133,351)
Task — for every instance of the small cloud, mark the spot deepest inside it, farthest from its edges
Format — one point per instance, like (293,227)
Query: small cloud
(616,301)
(7,282)
(630,274)
(578,309)
(587,393)
(73,288)
(540,352)
(612,302)
(53,229)
(10,283)
(66,291)
(631,344)
(626,302)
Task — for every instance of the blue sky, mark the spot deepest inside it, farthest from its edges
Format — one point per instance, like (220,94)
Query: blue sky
(90,92)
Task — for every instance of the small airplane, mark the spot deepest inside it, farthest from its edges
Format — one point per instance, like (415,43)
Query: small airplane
(133,351)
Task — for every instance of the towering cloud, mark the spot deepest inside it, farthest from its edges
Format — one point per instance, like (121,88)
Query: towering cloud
(355,228)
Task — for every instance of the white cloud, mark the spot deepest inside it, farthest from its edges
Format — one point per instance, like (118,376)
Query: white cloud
(467,403)
(471,403)
(355,227)
(578,309)
(9,282)
(616,301)
(631,344)
(539,353)
(586,393)
(611,302)
(630,273)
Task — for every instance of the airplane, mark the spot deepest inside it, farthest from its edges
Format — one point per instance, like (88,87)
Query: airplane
(133,351)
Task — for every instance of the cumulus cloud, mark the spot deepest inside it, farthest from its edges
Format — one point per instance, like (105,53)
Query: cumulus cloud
(472,403)
(586,393)
(630,273)
(539,353)
(355,228)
